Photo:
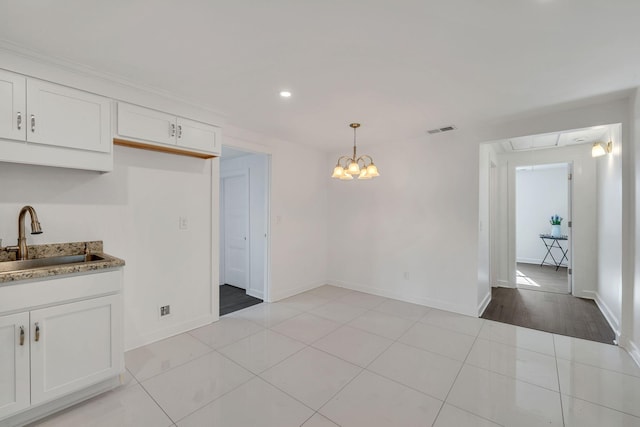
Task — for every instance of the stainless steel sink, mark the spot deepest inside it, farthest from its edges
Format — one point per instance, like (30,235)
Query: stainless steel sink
(28,264)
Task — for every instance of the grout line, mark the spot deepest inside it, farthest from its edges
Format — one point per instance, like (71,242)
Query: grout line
(456,378)
(558,378)
(158,404)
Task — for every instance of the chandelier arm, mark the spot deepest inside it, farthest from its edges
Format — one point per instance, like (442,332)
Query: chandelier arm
(343,158)
(363,159)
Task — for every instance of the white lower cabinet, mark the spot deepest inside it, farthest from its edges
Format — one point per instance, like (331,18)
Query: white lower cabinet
(14,363)
(53,354)
(72,346)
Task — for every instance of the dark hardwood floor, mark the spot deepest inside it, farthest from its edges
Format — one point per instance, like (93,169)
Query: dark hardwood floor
(550,312)
(234,299)
(543,278)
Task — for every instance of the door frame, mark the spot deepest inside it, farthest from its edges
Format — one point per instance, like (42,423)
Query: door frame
(511,207)
(263,151)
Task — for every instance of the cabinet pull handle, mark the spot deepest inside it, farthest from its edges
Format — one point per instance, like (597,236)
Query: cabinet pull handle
(21,335)
(179,131)
(172,130)
(33,123)
(19,120)
(37,332)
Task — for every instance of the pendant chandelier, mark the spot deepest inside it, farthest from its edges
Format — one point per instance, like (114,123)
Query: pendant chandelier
(347,167)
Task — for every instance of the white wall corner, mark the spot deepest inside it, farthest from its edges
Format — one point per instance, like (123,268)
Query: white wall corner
(170,331)
(279,295)
(608,314)
(427,302)
(485,303)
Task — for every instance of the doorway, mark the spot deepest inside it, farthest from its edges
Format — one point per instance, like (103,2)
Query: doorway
(244,202)
(586,300)
(542,211)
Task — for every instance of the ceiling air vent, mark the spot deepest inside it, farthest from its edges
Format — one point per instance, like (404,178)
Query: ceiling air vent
(442,129)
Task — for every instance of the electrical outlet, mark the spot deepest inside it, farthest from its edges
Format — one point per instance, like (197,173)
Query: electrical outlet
(165,310)
(183,223)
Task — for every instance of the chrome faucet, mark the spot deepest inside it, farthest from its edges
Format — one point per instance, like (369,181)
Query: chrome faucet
(21,249)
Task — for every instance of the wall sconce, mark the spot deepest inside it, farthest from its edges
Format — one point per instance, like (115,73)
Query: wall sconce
(599,150)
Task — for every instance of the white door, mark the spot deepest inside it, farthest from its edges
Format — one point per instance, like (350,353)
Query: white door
(73,346)
(235,211)
(199,136)
(14,363)
(13,106)
(66,117)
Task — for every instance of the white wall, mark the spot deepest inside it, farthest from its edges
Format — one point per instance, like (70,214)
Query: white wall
(488,165)
(541,191)
(256,166)
(609,189)
(420,217)
(135,211)
(298,212)
(631,296)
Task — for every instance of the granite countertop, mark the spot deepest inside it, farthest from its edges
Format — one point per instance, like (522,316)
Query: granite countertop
(56,250)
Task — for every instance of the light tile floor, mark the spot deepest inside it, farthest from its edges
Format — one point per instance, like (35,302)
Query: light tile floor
(334,357)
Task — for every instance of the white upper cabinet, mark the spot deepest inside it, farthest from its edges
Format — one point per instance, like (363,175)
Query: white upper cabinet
(42,123)
(13,107)
(66,117)
(145,124)
(151,127)
(198,135)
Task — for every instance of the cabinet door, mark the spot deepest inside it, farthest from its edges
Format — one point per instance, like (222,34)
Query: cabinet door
(76,345)
(66,117)
(145,124)
(13,106)
(14,363)
(199,136)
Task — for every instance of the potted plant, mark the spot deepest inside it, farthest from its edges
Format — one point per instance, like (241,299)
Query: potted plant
(556,222)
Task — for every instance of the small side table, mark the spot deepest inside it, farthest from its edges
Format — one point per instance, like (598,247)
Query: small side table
(551,242)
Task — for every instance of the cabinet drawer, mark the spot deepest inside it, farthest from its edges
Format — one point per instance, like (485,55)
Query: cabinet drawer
(15,297)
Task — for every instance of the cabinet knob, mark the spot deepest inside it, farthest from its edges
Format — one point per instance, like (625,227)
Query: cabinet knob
(37,332)
(172,129)
(33,123)
(21,335)
(19,120)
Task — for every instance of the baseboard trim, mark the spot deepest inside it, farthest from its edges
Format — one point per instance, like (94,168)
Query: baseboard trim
(484,304)
(259,295)
(529,261)
(171,331)
(277,296)
(632,348)
(608,314)
(505,284)
(428,302)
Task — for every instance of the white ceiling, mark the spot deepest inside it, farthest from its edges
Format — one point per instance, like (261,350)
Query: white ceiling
(399,68)
(555,140)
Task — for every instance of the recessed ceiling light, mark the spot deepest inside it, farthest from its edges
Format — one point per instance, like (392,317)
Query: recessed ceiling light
(285,94)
